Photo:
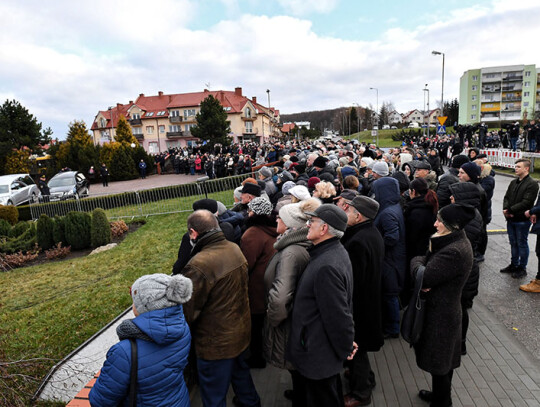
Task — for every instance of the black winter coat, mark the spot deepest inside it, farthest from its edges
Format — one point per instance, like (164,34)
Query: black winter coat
(365,246)
(448,265)
(443,189)
(488,183)
(419,226)
(520,197)
(471,194)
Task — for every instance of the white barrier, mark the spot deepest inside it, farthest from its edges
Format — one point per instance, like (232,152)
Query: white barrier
(504,157)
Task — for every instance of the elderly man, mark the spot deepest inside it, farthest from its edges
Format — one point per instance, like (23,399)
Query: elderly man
(365,246)
(218,313)
(423,170)
(322,330)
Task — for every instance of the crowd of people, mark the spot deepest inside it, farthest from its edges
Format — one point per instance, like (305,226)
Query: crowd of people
(309,270)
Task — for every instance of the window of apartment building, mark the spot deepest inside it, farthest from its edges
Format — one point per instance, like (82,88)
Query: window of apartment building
(487,105)
(187,127)
(136,116)
(162,129)
(509,106)
(174,128)
(152,148)
(474,87)
(490,75)
(473,98)
(249,127)
(149,114)
(188,113)
(473,107)
(527,73)
(473,117)
(525,104)
(526,94)
(527,84)
(137,130)
(175,113)
(149,129)
(475,77)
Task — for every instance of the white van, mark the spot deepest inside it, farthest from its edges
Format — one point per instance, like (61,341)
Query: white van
(413,125)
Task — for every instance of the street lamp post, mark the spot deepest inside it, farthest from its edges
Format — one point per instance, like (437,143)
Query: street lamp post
(269,118)
(112,124)
(427,118)
(442,82)
(377,112)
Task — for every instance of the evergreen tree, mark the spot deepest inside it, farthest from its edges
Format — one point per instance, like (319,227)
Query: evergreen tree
(212,124)
(17,162)
(353,120)
(383,115)
(77,152)
(124,134)
(122,166)
(18,129)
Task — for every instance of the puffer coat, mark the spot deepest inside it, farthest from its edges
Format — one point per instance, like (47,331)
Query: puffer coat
(448,265)
(160,379)
(280,278)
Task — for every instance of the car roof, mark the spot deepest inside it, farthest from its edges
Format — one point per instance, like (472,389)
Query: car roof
(65,174)
(11,177)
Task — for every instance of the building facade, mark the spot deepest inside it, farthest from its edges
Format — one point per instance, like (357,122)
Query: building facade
(164,121)
(499,94)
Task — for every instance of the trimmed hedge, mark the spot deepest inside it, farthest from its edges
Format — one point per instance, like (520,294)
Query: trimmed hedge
(77,230)
(9,213)
(45,228)
(59,233)
(101,229)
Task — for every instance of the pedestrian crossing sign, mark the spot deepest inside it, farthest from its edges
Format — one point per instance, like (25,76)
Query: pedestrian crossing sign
(441,129)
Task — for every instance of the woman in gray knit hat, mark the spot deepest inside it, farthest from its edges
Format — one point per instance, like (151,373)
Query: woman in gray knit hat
(162,339)
(280,278)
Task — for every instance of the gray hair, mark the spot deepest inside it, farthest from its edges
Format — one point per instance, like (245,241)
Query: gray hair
(333,231)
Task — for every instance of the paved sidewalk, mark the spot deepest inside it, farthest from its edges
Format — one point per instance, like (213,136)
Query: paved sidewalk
(497,371)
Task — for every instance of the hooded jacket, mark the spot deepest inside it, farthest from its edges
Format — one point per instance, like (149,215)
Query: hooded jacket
(160,379)
(391,225)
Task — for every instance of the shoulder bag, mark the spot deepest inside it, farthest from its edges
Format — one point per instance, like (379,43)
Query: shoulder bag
(413,317)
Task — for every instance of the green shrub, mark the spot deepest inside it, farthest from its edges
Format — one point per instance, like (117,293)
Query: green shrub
(18,229)
(59,234)
(23,242)
(101,230)
(45,226)
(5,227)
(77,226)
(9,213)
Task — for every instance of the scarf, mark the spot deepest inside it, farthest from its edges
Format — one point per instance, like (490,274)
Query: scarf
(127,330)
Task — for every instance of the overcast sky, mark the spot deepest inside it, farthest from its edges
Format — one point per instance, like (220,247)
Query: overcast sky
(66,60)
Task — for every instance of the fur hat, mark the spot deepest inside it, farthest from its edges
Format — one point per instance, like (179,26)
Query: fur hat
(300,192)
(260,206)
(208,204)
(472,170)
(251,189)
(266,172)
(320,162)
(158,291)
(381,168)
(459,160)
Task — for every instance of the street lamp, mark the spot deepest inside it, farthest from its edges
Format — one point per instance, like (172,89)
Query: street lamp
(269,118)
(377,112)
(426,118)
(110,108)
(442,83)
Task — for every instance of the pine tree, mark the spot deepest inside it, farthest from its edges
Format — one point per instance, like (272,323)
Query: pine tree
(212,124)
(122,166)
(123,133)
(77,151)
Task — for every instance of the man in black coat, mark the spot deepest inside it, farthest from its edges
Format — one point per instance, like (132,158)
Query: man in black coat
(365,246)
(322,328)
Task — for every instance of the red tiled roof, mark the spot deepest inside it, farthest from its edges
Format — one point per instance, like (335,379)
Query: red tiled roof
(287,127)
(116,112)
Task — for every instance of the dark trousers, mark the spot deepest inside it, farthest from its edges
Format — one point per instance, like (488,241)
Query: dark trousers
(464,323)
(482,245)
(442,390)
(255,347)
(518,234)
(362,378)
(324,392)
(299,389)
(390,314)
(537,251)
(215,376)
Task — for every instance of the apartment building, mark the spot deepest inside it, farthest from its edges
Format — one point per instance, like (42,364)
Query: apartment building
(499,94)
(165,121)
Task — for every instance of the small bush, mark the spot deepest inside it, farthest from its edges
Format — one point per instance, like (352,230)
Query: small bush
(57,252)
(9,213)
(24,242)
(5,227)
(101,230)
(44,229)
(77,226)
(18,229)
(118,228)
(59,233)
(18,259)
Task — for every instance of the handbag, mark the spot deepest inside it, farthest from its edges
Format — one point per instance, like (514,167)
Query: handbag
(413,317)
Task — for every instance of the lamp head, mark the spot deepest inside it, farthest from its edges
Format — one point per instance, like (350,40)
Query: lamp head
(436,52)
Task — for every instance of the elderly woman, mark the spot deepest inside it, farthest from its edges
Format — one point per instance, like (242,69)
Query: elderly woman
(325,191)
(447,266)
(280,278)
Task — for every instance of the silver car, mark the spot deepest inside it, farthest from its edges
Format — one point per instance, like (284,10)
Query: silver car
(16,189)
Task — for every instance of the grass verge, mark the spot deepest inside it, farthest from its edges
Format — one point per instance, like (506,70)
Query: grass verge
(50,309)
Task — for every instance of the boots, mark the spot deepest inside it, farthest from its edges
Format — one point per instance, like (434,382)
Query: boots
(532,287)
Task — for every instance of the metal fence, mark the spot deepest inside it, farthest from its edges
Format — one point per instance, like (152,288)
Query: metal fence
(142,203)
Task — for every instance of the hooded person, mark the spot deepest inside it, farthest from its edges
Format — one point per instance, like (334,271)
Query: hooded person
(449,178)
(162,338)
(286,198)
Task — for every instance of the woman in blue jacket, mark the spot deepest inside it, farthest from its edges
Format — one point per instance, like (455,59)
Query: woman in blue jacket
(163,341)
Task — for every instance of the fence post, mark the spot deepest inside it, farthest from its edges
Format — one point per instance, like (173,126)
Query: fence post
(139,202)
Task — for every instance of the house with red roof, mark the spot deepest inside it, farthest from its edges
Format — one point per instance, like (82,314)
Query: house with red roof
(165,121)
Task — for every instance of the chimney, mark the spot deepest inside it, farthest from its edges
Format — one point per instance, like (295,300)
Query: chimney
(222,96)
(141,95)
(170,98)
(206,91)
(254,99)
(160,93)
(131,102)
(238,91)
(118,105)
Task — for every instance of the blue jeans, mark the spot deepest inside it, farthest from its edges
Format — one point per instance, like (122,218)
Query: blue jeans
(215,376)
(532,144)
(513,142)
(518,234)
(390,314)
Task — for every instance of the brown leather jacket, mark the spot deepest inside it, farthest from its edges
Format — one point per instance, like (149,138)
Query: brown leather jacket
(218,312)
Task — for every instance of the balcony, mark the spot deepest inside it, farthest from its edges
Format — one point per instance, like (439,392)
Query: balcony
(176,119)
(135,122)
(249,119)
(510,78)
(175,134)
(490,98)
(511,87)
(496,78)
(139,136)
(511,98)
(491,89)
(250,132)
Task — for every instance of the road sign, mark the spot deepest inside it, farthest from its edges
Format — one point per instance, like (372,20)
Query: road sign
(442,119)
(441,129)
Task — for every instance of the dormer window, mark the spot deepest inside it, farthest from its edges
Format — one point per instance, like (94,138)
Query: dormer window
(248,112)
(149,114)
(102,122)
(136,116)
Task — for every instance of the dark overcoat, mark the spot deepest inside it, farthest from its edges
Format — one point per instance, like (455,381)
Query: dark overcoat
(448,265)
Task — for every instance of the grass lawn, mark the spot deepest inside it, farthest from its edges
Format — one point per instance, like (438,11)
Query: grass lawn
(50,309)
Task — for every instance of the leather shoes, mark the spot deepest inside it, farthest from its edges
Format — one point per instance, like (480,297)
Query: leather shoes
(353,401)
(288,394)
(425,395)
(390,336)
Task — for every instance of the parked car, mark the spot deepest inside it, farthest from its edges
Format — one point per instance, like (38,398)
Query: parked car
(386,127)
(16,189)
(413,125)
(68,185)
(393,127)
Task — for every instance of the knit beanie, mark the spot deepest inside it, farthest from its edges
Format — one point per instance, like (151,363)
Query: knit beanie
(459,160)
(472,170)
(158,291)
(260,206)
(312,182)
(381,168)
(456,216)
(221,208)
(266,172)
(286,187)
(292,216)
(320,162)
